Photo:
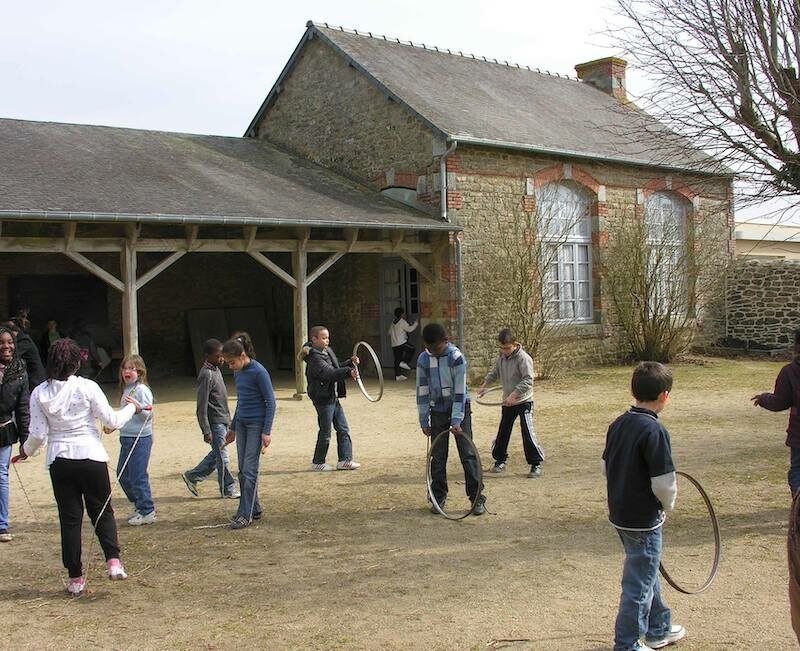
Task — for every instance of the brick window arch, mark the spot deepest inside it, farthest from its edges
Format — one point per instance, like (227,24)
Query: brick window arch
(563,211)
(666,228)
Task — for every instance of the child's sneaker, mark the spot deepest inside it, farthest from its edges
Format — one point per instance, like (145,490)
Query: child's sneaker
(499,466)
(115,570)
(400,378)
(676,633)
(321,467)
(5,536)
(347,465)
(536,472)
(76,586)
(404,365)
(139,519)
(234,494)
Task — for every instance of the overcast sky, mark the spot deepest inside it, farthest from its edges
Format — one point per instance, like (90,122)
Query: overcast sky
(204,66)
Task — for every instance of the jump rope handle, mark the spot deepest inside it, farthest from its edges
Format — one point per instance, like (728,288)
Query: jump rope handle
(17,457)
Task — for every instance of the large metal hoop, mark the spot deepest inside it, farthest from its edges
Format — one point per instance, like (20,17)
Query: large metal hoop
(480,400)
(377,363)
(717,544)
(429,478)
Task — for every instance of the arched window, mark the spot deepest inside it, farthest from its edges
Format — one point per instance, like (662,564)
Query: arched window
(563,211)
(665,221)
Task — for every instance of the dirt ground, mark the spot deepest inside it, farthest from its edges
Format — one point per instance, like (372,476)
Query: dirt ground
(354,559)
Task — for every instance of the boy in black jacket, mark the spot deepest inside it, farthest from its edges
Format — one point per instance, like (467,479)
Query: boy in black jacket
(326,384)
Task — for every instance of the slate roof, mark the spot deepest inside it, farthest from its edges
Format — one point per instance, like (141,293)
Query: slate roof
(52,170)
(476,101)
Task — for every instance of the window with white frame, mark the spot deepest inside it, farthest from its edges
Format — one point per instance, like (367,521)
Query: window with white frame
(665,217)
(566,234)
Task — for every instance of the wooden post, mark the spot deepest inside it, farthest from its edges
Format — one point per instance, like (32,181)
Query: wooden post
(299,269)
(130,313)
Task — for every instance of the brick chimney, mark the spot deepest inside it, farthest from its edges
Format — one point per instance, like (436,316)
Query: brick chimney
(607,74)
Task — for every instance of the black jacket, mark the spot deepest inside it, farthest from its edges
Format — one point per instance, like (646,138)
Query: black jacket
(325,376)
(29,353)
(14,403)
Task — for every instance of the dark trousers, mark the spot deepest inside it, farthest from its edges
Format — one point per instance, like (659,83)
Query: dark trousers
(328,416)
(402,353)
(794,470)
(75,482)
(441,421)
(534,454)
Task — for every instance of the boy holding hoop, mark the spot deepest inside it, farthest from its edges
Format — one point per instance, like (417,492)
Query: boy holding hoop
(641,484)
(443,403)
(514,367)
(326,384)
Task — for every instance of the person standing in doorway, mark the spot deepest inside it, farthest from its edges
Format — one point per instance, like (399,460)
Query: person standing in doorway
(402,349)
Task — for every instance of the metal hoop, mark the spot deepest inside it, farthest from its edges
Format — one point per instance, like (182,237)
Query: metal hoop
(429,457)
(481,401)
(377,363)
(717,544)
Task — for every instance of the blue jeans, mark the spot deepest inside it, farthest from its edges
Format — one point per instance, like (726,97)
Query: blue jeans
(5,458)
(794,469)
(248,449)
(216,459)
(641,610)
(134,479)
(327,416)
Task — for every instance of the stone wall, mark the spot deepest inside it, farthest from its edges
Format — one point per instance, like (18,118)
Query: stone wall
(763,304)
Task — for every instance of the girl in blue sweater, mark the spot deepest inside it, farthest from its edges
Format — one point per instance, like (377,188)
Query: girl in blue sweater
(251,426)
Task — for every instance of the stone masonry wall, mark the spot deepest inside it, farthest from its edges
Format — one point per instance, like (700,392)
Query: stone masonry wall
(329,112)
(763,303)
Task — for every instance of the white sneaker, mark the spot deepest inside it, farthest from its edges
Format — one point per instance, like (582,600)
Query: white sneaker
(76,586)
(404,365)
(115,571)
(676,633)
(400,378)
(347,465)
(321,467)
(139,519)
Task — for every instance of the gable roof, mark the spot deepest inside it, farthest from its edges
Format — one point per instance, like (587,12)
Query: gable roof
(484,102)
(93,173)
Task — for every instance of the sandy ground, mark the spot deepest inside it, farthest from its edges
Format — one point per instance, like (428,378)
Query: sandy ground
(354,559)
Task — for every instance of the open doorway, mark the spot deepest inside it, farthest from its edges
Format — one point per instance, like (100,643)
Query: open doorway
(399,288)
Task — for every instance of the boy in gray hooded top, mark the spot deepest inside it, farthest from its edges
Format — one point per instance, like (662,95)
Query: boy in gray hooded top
(514,367)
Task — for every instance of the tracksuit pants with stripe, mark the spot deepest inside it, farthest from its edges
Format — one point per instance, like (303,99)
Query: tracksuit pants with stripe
(534,454)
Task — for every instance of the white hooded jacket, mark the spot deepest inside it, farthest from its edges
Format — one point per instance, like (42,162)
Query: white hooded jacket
(63,414)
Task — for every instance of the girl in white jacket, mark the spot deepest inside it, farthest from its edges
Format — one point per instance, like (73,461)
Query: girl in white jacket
(63,413)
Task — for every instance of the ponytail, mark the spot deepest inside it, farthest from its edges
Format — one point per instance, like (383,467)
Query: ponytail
(239,343)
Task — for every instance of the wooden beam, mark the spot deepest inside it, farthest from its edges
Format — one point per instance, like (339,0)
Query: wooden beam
(421,268)
(300,305)
(303,235)
(95,269)
(130,306)
(350,237)
(264,261)
(191,235)
(145,278)
(169,245)
(249,236)
(396,238)
(323,267)
(132,232)
(69,235)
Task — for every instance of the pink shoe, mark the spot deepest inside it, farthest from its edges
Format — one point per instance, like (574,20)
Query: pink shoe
(115,570)
(76,586)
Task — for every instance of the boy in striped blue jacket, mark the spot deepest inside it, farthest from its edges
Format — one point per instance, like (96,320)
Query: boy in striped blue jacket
(443,403)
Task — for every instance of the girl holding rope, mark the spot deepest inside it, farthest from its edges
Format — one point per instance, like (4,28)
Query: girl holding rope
(63,412)
(251,426)
(14,416)
(136,441)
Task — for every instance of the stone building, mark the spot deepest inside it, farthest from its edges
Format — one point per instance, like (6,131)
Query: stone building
(412,157)
(493,138)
